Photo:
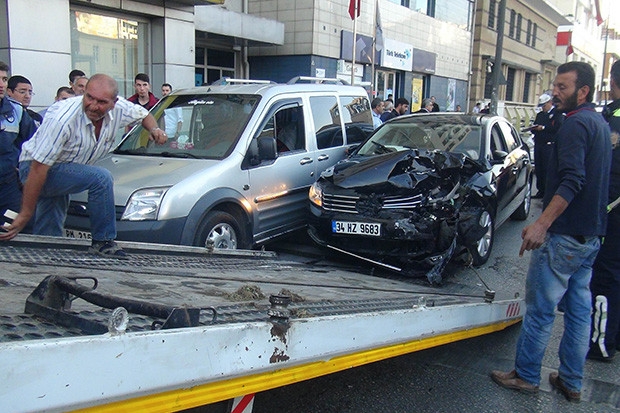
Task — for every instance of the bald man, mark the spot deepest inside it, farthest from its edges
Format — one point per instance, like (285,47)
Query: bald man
(58,161)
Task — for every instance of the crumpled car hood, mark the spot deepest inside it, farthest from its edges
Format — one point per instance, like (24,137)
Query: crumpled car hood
(404,169)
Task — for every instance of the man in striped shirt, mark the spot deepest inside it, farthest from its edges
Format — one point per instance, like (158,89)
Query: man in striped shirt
(58,161)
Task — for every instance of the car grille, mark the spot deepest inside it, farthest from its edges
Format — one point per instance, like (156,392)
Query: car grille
(340,203)
(349,203)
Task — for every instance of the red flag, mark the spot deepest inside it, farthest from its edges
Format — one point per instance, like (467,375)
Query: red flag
(352,12)
(599,19)
(569,50)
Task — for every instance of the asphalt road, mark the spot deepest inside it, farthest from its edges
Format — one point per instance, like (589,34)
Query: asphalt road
(453,377)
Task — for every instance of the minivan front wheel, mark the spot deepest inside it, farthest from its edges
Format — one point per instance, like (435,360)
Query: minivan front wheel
(220,230)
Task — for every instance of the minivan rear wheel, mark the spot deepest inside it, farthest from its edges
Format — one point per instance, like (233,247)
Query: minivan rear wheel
(220,230)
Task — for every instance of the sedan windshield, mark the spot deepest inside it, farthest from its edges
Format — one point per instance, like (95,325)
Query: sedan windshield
(198,126)
(450,134)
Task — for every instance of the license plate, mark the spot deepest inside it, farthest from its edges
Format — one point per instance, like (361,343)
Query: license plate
(74,233)
(356,228)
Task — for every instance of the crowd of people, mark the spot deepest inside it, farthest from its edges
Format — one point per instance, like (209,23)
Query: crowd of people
(47,156)
(575,242)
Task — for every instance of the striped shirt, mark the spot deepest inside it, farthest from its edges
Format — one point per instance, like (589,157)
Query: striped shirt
(68,136)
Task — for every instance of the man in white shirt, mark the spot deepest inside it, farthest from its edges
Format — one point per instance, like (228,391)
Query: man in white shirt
(173,117)
(377,109)
(58,161)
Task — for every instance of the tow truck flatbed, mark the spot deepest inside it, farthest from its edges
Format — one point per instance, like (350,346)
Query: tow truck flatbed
(244,321)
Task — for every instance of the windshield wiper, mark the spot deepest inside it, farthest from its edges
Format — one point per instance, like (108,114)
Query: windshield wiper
(179,155)
(139,151)
(383,148)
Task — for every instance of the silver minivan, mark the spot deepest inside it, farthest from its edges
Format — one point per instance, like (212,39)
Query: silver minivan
(238,164)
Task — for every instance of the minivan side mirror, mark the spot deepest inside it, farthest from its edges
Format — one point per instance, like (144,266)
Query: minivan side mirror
(267,149)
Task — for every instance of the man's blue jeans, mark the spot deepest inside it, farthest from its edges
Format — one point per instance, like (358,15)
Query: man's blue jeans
(64,179)
(560,270)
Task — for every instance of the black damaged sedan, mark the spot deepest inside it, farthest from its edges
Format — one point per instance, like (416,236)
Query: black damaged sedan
(423,188)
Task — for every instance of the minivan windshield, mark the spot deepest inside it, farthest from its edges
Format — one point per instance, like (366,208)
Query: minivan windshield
(197,125)
(425,132)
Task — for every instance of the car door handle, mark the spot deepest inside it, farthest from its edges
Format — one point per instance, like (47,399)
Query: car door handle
(305,161)
(322,158)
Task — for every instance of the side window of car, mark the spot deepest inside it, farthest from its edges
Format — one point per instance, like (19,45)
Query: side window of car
(497,140)
(326,116)
(511,141)
(357,118)
(288,125)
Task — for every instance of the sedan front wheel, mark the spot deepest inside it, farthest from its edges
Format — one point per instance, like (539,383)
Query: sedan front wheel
(481,249)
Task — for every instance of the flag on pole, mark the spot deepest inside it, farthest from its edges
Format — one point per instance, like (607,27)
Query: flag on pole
(378,32)
(566,39)
(354,8)
(599,18)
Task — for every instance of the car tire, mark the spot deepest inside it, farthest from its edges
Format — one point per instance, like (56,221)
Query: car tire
(523,211)
(221,230)
(480,250)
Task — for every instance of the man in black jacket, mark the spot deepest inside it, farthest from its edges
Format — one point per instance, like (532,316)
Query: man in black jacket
(546,125)
(605,284)
(401,106)
(565,240)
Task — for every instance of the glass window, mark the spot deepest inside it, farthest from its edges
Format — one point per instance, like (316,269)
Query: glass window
(510,83)
(511,27)
(200,55)
(401,2)
(327,126)
(200,126)
(446,134)
(488,86)
(213,64)
(220,58)
(508,132)
(492,13)
(421,6)
(534,34)
(357,118)
(94,39)
(528,36)
(497,143)
(526,89)
(289,128)
(453,11)
(519,27)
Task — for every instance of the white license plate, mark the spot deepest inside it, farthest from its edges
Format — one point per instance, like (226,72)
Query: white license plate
(74,233)
(356,228)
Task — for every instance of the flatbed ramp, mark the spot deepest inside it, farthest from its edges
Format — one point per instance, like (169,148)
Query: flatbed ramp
(173,328)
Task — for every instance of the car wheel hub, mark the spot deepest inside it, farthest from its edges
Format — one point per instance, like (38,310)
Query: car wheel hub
(222,236)
(484,243)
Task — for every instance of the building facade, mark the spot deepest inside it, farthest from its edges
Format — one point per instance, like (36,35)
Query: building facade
(425,48)
(581,39)
(529,57)
(182,42)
